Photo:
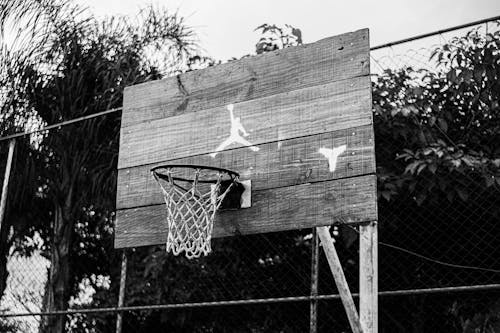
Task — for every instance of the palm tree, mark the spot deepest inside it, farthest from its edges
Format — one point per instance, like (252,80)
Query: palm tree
(69,64)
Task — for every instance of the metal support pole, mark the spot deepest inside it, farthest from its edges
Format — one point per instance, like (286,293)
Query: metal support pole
(313,325)
(121,295)
(5,186)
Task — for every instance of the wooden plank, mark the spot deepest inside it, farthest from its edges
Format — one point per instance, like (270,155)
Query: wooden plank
(277,164)
(334,106)
(350,200)
(339,277)
(368,277)
(327,60)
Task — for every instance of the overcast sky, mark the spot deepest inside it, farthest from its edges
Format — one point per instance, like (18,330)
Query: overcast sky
(226,28)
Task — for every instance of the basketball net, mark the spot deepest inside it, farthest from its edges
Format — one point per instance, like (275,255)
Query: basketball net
(191,209)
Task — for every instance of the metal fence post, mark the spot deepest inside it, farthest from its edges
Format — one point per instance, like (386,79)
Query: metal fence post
(121,295)
(313,326)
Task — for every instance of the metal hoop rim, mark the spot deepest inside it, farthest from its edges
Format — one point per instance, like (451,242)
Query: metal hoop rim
(232,174)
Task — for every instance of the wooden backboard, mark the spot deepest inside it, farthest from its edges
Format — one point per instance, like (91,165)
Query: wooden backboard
(296,122)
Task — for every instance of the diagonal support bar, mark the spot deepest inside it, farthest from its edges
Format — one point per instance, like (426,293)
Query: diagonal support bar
(340,281)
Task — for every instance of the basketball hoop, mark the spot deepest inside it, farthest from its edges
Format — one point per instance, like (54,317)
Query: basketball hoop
(192,196)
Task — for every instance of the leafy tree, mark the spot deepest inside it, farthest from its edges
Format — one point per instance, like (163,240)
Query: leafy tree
(9,325)
(446,122)
(75,66)
(438,166)
(275,38)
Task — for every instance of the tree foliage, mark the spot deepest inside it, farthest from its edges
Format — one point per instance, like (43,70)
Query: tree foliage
(275,38)
(437,135)
(445,123)
(75,66)
(438,169)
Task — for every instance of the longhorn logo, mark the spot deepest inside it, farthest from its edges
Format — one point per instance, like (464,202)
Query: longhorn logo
(332,155)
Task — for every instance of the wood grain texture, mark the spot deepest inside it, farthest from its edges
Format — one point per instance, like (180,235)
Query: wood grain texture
(277,164)
(327,60)
(329,107)
(368,277)
(350,200)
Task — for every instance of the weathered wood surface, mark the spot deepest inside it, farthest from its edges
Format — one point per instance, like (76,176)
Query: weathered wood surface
(327,60)
(339,277)
(291,102)
(329,107)
(277,164)
(368,277)
(350,200)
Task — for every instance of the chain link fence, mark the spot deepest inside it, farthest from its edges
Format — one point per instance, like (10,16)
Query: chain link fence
(438,263)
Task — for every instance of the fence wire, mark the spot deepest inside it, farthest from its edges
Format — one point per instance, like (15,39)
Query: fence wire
(438,266)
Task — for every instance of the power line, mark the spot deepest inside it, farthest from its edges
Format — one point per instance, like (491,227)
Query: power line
(434,33)
(61,124)
(436,261)
(439,262)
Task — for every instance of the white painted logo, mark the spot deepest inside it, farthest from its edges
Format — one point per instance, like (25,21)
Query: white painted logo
(235,136)
(332,155)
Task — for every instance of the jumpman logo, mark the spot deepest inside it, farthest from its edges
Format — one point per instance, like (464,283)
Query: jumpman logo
(235,136)
(332,155)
